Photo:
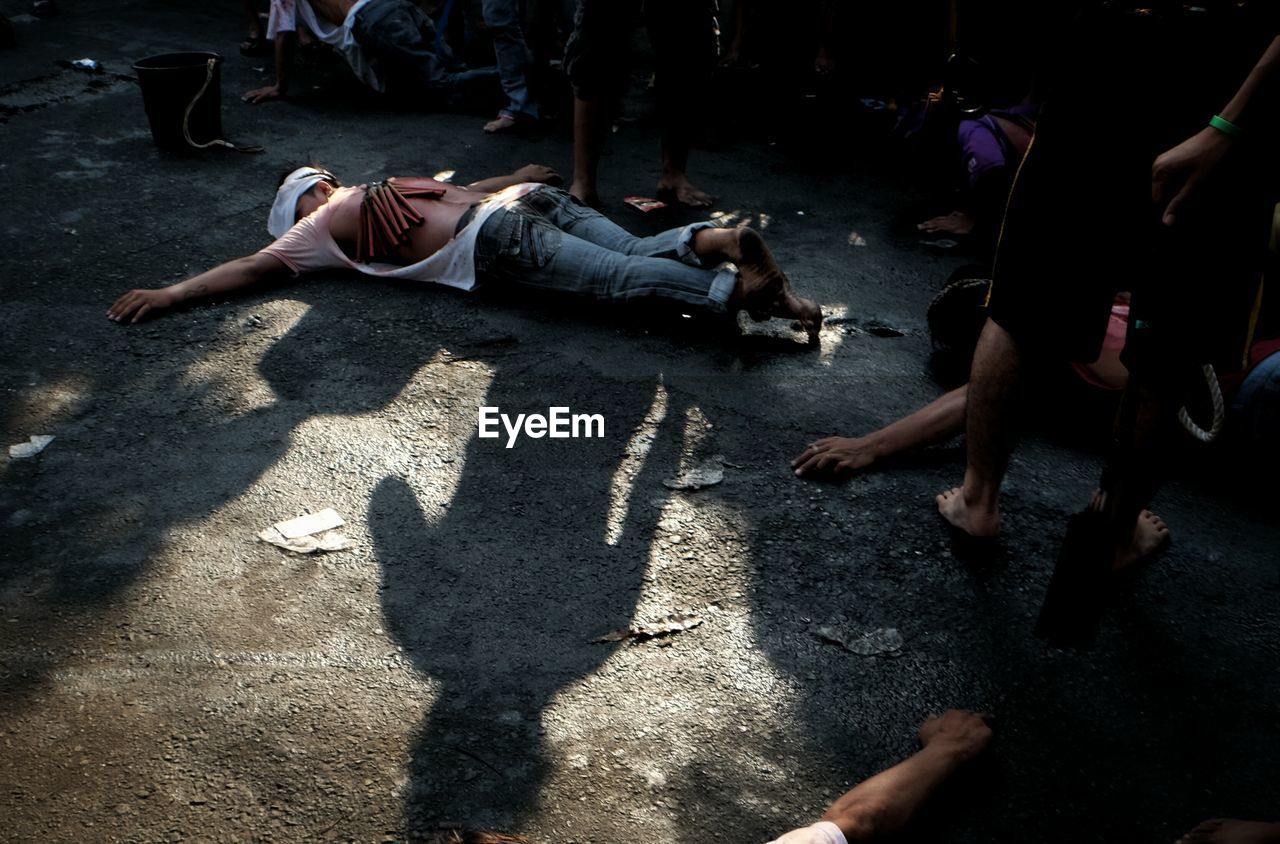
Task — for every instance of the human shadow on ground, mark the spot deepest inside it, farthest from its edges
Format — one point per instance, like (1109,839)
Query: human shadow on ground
(497,601)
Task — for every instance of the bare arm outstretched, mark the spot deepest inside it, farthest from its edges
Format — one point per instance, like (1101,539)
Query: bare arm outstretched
(527,173)
(840,456)
(1177,173)
(233,275)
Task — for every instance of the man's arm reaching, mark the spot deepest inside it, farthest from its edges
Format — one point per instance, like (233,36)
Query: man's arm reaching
(1177,173)
(233,275)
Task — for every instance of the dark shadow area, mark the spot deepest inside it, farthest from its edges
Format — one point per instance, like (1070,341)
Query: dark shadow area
(496,599)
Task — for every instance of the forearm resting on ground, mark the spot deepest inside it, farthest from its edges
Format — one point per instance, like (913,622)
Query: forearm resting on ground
(223,278)
(940,419)
(527,173)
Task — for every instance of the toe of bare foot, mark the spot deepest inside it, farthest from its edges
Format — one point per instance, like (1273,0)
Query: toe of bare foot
(501,123)
(809,315)
(956,511)
(1150,536)
(685,194)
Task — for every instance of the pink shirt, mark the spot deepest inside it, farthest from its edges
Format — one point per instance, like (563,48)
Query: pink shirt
(309,246)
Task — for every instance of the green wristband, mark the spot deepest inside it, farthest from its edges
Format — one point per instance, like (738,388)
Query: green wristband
(1225,126)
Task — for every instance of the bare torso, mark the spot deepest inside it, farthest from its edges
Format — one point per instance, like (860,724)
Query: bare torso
(440,220)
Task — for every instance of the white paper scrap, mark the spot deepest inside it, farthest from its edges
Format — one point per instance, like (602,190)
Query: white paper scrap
(31,448)
(309,524)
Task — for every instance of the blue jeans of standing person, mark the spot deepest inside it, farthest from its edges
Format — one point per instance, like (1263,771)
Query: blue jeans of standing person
(502,17)
(401,38)
(1256,414)
(550,240)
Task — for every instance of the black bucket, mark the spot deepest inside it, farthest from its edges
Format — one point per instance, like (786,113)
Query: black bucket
(174,84)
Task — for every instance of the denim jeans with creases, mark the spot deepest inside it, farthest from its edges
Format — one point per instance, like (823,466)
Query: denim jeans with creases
(547,239)
(502,17)
(1256,414)
(401,38)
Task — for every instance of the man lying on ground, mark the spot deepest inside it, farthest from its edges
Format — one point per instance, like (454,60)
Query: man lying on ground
(878,808)
(508,230)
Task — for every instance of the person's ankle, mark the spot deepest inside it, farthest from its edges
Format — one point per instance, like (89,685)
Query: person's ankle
(981,500)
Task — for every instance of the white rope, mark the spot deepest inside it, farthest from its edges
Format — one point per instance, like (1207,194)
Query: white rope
(1219,411)
(186,118)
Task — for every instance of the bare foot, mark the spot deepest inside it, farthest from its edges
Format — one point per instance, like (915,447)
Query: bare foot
(835,457)
(500,124)
(585,193)
(1150,536)
(957,731)
(1228,831)
(732,57)
(763,289)
(823,64)
(680,189)
(957,222)
(979,523)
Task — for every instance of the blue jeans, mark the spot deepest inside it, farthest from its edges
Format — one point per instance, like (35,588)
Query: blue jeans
(502,17)
(1257,413)
(401,38)
(547,239)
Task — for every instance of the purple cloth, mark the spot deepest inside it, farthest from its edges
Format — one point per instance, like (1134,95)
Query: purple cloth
(984,144)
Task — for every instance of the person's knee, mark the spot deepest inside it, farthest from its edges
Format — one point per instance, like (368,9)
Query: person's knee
(501,16)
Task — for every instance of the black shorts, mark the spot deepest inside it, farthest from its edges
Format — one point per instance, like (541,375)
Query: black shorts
(1080,224)
(597,55)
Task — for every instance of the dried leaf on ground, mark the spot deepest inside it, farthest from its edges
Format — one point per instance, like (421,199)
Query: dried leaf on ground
(883,641)
(662,627)
(707,473)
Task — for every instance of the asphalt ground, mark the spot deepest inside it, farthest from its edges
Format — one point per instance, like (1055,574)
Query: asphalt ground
(165,675)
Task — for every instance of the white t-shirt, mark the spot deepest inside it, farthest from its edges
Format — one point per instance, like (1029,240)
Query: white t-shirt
(309,246)
(287,14)
(823,832)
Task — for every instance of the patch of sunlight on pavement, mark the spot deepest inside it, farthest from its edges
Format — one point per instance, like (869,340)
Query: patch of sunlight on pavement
(230,371)
(44,405)
(646,751)
(832,336)
(632,463)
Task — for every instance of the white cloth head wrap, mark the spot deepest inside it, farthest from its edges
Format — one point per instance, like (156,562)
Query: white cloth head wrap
(285,208)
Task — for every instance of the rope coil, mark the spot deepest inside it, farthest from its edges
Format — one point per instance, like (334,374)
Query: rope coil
(1219,410)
